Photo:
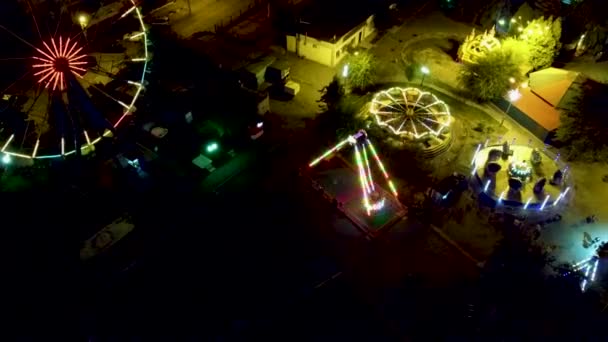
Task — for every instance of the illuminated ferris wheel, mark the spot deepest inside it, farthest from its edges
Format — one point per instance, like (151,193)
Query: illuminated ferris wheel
(410,112)
(69,76)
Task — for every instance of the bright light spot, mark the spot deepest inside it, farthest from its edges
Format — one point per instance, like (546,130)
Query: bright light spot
(520,29)
(485,188)
(6,159)
(501,22)
(83,19)
(513,20)
(425,70)
(212,147)
(377,206)
(501,197)
(545,202)
(260,125)
(514,95)
(527,203)
(524,85)
(345,71)
(512,79)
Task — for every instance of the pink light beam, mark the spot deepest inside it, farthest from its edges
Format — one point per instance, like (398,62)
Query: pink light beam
(61,59)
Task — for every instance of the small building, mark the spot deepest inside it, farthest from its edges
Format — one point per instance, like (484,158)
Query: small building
(549,91)
(326,30)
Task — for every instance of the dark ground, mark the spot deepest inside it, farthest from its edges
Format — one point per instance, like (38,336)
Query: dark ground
(247,264)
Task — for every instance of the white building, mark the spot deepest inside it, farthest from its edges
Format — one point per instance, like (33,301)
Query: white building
(325,34)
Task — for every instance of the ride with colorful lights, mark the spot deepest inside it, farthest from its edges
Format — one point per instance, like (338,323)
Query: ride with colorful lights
(66,84)
(372,199)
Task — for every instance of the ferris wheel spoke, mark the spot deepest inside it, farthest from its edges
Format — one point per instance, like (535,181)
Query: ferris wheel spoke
(388,105)
(402,124)
(124,105)
(414,128)
(29,4)
(17,36)
(395,101)
(10,59)
(431,120)
(418,100)
(429,128)
(17,81)
(386,113)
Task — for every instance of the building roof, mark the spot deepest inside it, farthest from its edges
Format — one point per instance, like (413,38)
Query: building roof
(537,109)
(556,86)
(325,20)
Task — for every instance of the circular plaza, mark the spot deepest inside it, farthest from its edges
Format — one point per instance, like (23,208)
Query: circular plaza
(520,176)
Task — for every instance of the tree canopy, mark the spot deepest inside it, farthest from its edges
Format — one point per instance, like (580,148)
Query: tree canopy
(488,79)
(361,70)
(543,39)
(584,129)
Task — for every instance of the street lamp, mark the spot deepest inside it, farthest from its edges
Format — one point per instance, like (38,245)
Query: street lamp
(425,71)
(212,147)
(513,96)
(6,159)
(83,20)
(345,70)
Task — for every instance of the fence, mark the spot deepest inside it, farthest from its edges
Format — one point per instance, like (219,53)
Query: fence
(521,118)
(244,11)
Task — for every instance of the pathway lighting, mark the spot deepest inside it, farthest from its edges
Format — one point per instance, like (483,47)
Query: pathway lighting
(425,71)
(513,96)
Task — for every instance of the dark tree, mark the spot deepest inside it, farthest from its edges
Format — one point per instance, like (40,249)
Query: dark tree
(584,129)
(488,79)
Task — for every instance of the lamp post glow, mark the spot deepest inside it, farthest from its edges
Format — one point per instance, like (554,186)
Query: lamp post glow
(6,159)
(83,20)
(425,71)
(513,96)
(212,147)
(345,70)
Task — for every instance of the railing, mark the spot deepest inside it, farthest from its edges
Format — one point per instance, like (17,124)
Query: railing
(252,6)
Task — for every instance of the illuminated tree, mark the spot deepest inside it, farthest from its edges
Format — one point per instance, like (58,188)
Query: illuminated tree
(519,53)
(488,79)
(584,130)
(360,72)
(542,37)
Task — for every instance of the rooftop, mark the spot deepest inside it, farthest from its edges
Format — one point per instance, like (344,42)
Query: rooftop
(537,109)
(334,18)
(556,86)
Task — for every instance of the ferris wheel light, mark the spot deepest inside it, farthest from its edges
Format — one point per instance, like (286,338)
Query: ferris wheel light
(55,59)
(8,142)
(410,112)
(62,59)
(128,12)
